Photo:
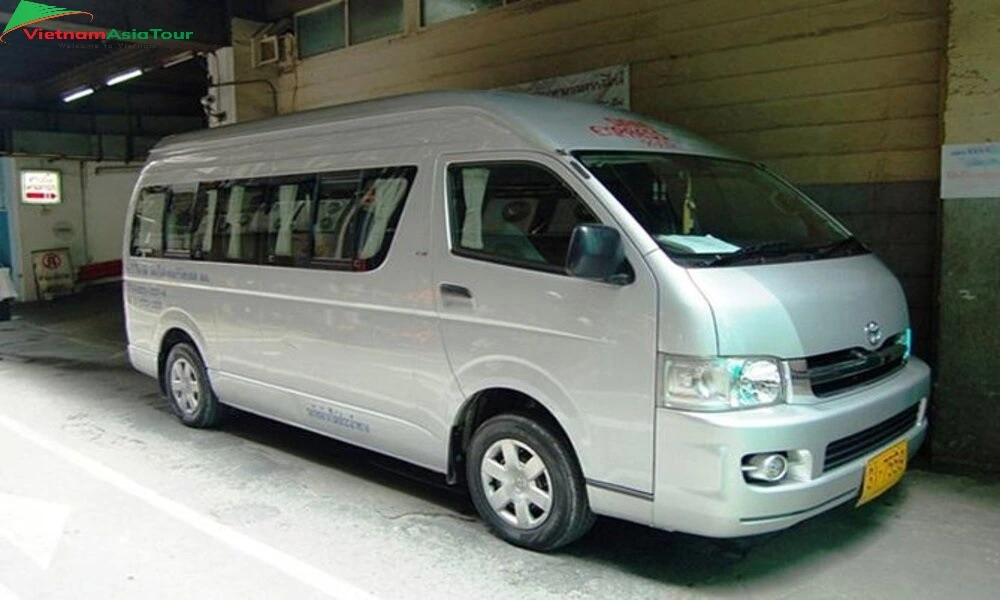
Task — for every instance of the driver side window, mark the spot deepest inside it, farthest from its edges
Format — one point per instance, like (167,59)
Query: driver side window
(513,213)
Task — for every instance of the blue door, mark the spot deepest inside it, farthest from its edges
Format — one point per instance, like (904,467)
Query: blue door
(4,239)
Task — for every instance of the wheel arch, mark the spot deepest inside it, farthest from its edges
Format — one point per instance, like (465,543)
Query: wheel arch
(490,402)
(177,333)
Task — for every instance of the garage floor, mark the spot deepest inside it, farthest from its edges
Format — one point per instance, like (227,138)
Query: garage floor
(103,494)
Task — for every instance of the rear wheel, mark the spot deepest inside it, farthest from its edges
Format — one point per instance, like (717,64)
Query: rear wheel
(526,484)
(188,388)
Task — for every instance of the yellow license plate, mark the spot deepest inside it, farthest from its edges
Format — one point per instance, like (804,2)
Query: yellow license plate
(883,471)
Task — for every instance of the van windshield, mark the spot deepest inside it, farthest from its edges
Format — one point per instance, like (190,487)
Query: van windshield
(715,212)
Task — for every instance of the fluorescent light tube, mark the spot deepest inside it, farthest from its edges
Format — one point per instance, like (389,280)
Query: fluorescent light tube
(177,59)
(77,94)
(115,80)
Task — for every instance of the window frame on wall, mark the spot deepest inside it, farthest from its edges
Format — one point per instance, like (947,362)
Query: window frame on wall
(425,23)
(300,42)
(348,34)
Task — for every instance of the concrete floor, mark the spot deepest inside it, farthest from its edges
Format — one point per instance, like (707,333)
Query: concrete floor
(103,494)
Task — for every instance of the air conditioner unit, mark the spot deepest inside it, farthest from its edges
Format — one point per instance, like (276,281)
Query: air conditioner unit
(273,49)
(266,50)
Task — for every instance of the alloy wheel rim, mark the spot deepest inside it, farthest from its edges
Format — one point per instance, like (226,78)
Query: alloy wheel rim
(516,483)
(184,386)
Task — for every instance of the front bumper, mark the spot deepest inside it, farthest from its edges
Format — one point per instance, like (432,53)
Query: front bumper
(699,483)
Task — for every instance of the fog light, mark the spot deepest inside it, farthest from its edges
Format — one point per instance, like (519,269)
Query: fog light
(765,467)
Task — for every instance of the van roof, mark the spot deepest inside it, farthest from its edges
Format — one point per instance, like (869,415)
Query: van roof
(553,124)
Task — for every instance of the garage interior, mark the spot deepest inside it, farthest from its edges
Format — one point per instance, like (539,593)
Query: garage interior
(854,101)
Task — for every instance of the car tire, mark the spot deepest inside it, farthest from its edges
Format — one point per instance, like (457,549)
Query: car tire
(188,389)
(526,483)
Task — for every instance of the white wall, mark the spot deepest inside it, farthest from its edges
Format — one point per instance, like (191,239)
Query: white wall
(89,221)
(107,189)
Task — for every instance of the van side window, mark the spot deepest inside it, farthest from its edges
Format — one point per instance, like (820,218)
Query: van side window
(241,225)
(357,213)
(147,224)
(206,207)
(514,213)
(343,220)
(335,207)
(289,218)
(179,218)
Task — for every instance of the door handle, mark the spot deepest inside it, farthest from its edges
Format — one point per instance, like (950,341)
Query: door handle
(456,291)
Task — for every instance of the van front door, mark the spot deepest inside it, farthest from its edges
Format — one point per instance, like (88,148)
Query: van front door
(512,318)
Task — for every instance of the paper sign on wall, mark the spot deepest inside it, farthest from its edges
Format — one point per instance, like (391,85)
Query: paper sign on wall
(608,86)
(970,170)
(53,272)
(41,187)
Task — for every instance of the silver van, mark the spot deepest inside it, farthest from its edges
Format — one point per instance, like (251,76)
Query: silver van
(574,311)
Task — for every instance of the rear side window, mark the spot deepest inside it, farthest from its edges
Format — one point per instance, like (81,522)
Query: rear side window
(342,220)
(206,208)
(242,222)
(514,213)
(289,216)
(147,223)
(179,218)
(357,213)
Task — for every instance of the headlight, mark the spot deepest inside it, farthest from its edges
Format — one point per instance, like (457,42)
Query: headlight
(906,340)
(721,383)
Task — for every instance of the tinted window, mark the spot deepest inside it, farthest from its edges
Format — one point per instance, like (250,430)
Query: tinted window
(335,208)
(343,220)
(372,19)
(147,224)
(437,11)
(204,220)
(179,219)
(357,214)
(288,219)
(515,213)
(241,225)
(320,30)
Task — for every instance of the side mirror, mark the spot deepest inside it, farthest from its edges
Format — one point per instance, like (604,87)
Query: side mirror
(596,252)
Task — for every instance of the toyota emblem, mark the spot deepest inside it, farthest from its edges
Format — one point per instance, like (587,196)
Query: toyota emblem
(874,333)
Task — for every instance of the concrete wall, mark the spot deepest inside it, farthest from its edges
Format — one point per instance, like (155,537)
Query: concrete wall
(967,413)
(89,221)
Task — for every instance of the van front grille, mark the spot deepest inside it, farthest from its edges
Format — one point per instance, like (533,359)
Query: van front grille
(840,371)
(846,449)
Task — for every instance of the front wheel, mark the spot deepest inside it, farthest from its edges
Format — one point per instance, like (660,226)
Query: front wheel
(526,484)
(188,389)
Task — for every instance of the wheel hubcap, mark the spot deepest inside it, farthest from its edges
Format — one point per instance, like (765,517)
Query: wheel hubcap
(184,386)
(516,483)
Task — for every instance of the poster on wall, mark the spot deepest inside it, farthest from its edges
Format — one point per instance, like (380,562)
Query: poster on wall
(53,272)
(41,187)
(970,170)
(608,86)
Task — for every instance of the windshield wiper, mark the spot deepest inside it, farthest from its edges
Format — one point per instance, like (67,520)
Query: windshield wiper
(845,247)
(756,251)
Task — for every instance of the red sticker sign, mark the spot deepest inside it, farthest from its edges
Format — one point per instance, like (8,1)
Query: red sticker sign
(51,261)
(632,129)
